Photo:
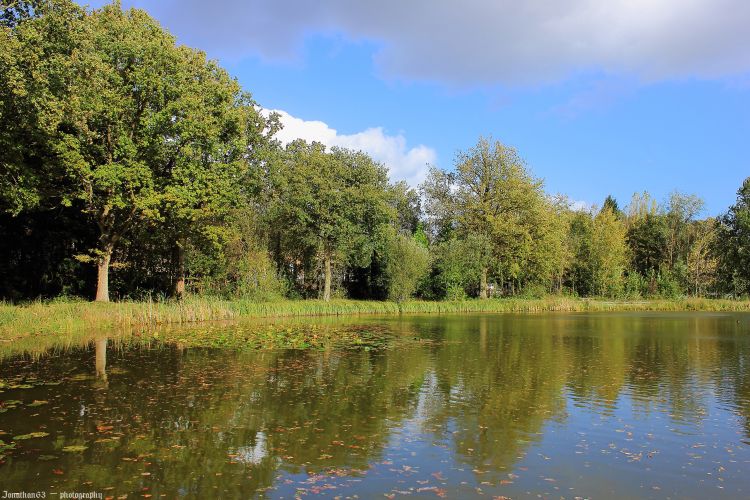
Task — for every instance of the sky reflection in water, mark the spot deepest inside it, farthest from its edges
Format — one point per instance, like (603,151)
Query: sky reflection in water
(562,405)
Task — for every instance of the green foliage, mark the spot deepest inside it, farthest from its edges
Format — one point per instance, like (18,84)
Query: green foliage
(121,149)
(493,200)
(599,254)
(607,254)
(647,238)
(141,130)
(456,270)
(610,203)
(408,207)
(579,276)
(702,263)
(682,210)
(326,211)
(668,285)
(733,243)
(533,291)
(37,327)
(420,236)
(407,263)
(634,286)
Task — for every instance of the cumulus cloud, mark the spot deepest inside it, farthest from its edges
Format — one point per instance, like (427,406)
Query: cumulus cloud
(404,163)
(484,41)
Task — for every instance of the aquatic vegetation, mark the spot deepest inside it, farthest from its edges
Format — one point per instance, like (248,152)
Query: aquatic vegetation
(74,448)
(5,448)
(433,405)
(63,317)
(9,404)
(34,328)
(279,336)
(31,435)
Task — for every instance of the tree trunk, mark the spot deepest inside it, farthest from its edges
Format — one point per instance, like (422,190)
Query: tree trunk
(179,284)
(327,284)
(483,284)
(102,283)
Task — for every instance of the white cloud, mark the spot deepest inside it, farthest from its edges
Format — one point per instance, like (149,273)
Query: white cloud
(579,205)
(484,41)
(404,163)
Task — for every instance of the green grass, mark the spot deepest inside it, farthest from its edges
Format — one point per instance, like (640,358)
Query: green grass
(67,317)
(60,317)
(570,304)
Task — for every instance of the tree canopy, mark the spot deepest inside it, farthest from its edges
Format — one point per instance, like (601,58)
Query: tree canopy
(133,165)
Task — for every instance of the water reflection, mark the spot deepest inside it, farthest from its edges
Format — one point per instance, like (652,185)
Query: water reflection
(101,359)
(571,405)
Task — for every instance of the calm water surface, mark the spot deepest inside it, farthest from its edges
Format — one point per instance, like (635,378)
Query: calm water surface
(556,405)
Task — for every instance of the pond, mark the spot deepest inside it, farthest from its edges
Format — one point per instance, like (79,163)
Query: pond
(615,405)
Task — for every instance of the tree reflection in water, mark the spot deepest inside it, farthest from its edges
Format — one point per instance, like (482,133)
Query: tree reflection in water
(468,406)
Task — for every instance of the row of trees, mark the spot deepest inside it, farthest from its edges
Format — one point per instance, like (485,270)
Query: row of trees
(491,221)
(132,164)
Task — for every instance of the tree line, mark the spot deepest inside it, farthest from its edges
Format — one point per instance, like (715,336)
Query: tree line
(131,166)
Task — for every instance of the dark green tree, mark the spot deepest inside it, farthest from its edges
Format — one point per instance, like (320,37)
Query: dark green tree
(327,208)
(733,243)
(647,239)
(104,113)
(610,203)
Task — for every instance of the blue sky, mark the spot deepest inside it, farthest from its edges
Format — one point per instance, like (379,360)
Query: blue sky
(599,99)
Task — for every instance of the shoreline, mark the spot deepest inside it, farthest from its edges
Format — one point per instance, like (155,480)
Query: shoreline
(58,317)
(37,328)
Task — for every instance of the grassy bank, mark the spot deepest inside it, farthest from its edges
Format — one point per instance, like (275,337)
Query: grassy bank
(62,317)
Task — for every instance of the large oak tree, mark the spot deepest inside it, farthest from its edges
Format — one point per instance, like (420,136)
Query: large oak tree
(102,111)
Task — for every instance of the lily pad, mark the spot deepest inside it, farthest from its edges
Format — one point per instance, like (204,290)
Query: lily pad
(20,386)
(76,448)
(37,402)
(46,458)
(30,435)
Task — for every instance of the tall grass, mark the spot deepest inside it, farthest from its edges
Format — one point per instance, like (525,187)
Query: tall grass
(570,304)
(60,317)
(66,316)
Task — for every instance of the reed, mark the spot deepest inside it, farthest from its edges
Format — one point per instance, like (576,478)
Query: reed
(65,316)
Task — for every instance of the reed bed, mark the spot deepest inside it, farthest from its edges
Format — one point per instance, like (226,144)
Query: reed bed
(571,304)
(60,317)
